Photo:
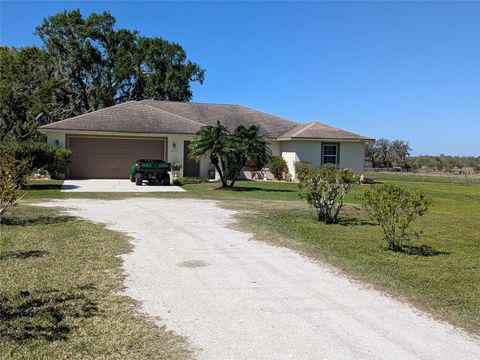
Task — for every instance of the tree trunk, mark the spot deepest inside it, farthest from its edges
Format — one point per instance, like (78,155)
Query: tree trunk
(237,175)
(83,90)
(222,174)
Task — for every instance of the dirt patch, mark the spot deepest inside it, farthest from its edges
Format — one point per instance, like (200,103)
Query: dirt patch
(192,263)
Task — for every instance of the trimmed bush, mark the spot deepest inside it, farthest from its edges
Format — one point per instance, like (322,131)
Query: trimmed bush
(395,209)
(39,154)
(325,189)
(278,167)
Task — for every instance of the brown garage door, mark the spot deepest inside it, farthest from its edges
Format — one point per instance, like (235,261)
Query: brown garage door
(110,158)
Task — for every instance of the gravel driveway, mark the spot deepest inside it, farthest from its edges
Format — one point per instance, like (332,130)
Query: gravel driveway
(236,298)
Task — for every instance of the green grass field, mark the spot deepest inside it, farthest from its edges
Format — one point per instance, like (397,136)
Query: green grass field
(59,284)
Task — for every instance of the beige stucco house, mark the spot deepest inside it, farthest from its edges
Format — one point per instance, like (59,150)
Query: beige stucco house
(106,142)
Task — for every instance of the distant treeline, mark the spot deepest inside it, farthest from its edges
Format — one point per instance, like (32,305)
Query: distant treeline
(443,162)
(395,154)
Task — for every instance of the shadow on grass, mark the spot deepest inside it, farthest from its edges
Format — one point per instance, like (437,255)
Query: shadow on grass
(69,187)
(423,250)
(43,187)
(21,254)
(40,220)
(248,188)
(355,221)
(43,315)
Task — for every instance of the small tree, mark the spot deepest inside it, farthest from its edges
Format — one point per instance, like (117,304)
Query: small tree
(13,175)
(394,209)
(278,167)
(325,189)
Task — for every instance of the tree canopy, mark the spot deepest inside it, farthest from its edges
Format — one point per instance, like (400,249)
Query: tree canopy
(384,153)
(86,64)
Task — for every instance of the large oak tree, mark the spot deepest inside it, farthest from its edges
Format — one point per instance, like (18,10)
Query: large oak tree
(87,64)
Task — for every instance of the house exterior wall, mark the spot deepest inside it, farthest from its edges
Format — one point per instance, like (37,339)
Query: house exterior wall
(351,154)
(291,158)
(56,139)
(176,149)
(310,151)
(275,147)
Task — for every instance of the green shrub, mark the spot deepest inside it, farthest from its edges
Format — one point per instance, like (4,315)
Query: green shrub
(288,177)
(14,174)
(410,165)
(59,164)
(325,189)
(302,168)
(395,209)
(39,154)
(177,166)
(278,167)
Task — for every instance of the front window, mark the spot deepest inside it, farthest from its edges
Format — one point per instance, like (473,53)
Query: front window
(330,154)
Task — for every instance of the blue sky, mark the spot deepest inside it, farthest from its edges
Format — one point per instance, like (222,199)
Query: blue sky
(396,70)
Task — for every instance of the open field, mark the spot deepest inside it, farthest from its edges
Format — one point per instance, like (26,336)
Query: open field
(55,261)
(472,176)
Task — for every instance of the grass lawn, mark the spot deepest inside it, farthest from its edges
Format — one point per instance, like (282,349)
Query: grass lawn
(60,280)
(265,190)
(60,277)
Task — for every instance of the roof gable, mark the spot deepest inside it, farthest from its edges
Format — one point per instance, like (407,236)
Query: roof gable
(316,130)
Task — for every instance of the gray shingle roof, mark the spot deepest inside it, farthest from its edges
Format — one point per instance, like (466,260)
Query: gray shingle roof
(316,130)
(129,117)
(231,116)
(168,117)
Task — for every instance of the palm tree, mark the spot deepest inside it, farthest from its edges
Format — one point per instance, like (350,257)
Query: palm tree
(211,141)
(229,153)
(246,145)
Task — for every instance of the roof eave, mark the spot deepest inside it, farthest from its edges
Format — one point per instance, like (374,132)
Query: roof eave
(103,132)
(325,139)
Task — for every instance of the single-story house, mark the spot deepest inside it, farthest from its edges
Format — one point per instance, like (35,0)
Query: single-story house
(106,142)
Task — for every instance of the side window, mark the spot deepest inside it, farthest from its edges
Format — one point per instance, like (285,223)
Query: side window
(329,153)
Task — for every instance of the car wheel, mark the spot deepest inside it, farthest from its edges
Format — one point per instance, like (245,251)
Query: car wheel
(166,180)
(138,179)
